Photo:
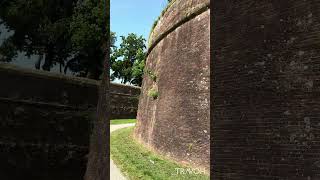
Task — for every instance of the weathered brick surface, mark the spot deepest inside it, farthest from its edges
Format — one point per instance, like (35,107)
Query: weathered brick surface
(266,90)
(124,101)
(45,122)
(174,14)
(38,86)
(176,124)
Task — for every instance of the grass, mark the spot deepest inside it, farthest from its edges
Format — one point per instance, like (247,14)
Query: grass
(122,121)
(136,162)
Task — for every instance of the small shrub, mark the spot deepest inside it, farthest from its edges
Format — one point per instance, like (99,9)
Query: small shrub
(152,75)
(190,146)
(153,93)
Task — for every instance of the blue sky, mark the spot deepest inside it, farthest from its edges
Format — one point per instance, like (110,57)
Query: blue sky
(134,16)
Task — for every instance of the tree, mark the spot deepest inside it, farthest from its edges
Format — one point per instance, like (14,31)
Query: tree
(7,51)
(130,52)
(113,39)
(86,39)
(40,28)
(98,158)
(65,32)
(138,68)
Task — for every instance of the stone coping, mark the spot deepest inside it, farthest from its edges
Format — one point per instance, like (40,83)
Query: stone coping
(178,13)
(55,76)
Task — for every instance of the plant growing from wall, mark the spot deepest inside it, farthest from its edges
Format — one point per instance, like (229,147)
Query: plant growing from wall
(152,75)
(190,146)
(153,93)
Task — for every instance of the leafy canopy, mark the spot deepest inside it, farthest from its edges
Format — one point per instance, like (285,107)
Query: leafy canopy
(87,38)
(127,61)
(39,28)
(65,32)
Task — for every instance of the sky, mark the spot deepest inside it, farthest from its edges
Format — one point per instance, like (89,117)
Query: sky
(134,16)
(21,59)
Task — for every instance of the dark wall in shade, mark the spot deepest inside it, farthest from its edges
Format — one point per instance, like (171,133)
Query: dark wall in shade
(45,122)
(266,90)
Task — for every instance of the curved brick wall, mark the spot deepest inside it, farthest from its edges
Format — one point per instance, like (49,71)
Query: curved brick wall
(266,89)
(176,124)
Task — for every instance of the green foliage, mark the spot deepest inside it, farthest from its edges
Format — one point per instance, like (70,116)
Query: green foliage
(138,162)
(86,24)
(190,146)
(40,28)
(113,39)
(153,93)
(122,121)
(152,75)
(127,61)
(7,51)
(88,38)
(65,32)
(138,68)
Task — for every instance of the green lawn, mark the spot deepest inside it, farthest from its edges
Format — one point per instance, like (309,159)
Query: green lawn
(136,162)
(122,121)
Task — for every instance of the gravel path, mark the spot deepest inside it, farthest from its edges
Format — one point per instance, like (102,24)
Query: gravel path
(115,173)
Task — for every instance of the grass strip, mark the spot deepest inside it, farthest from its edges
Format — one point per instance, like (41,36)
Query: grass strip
(122,121)
(137,162)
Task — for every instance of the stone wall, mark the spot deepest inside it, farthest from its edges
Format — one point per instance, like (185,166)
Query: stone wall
(45,122)
(124,101)
(176,123)
(266,90)
(23,85)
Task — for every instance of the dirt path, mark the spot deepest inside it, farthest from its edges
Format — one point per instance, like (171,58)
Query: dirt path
(115,173)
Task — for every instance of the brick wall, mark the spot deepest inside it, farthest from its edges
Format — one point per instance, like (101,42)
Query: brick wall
(176,124)
(266,90)
(45,122)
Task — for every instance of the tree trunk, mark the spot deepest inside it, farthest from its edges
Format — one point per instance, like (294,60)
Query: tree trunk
(38,63)
(93,74)
(98,159)
(48,60)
